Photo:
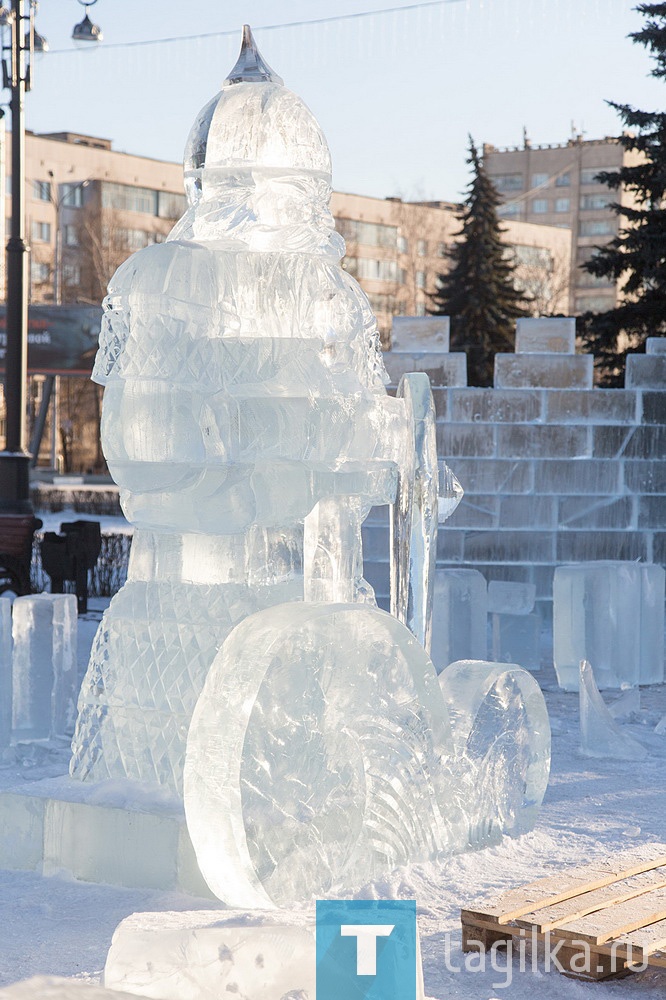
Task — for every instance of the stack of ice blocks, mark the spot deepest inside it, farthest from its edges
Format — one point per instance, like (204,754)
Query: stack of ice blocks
(611,614)
(421,344)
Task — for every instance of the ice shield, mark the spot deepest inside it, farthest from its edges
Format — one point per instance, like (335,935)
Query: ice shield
(366,949)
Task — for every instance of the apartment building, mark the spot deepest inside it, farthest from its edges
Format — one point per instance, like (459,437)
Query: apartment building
(555,185)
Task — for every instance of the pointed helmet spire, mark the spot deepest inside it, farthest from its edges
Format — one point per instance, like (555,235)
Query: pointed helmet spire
(250,66)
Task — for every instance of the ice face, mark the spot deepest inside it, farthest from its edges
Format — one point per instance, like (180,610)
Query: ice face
(5,671)
(600,735)
(44,665)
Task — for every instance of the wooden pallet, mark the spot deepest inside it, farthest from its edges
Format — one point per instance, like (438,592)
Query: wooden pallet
(602,920)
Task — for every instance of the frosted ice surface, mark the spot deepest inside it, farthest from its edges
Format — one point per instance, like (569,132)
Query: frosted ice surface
(600,735)
(44,671)
(501,735)
(660,728)
(628,704)
(5,671)
(318,754)
(175,956)
(59,988)
(511,598)
(546,335)
(612,614)
(459,629)
(516,639)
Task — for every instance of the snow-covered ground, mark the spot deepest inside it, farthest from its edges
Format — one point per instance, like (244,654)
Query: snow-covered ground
(60,926)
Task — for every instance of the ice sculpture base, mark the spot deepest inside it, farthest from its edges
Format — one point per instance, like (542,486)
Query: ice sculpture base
(59,988)
(258,955)
(59,825)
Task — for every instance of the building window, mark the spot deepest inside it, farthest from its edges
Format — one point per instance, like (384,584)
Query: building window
(587,280)
(420,279)
(41,232)
(441,250)
(367,234)
(595,303)
(365,268)
(509,209)
(71,236)
(402,244)
(534,257)
(421,248)
(71,274)
(170,205)
(540,206)
(539,179)
(40,272)
(562,205)
(125,198)
(588,176)
(420,308)
(72,195)
(592,202)
(597,227)
(41,190)
(563,180)
(508,182)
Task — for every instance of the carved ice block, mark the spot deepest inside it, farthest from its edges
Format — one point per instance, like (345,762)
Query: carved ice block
(546,335)
(420,333)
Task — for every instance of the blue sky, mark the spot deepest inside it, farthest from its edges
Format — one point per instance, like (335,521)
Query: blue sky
(396,93)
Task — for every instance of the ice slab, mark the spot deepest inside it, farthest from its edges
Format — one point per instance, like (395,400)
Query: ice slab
(548,371)
(501,733)
(420,333)
(516,639)
(546,335)
(442,369)
(459,617)
(505,597)
(44,670)
(612,614)
(59,988)
(646,371)
(600,735)
(655,345)
(5,671)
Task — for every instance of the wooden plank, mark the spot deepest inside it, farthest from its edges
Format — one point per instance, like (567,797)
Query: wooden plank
(599,927)
(549,917)
(647,940)
(571,882)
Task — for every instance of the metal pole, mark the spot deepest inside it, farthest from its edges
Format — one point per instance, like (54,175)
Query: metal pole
(14,474)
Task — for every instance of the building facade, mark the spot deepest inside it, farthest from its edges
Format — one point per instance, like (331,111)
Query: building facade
(556,185)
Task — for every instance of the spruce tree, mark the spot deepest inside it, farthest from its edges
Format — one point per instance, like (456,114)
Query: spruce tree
(478,291)
(636,257)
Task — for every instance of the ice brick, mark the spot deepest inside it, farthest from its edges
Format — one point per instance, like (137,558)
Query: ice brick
(645,371)
(591,476)
(596,512)
(59,988)
(459,617)
(546,371)
(529,441)
(600,735)
(515,639)
(496,405)
(509,598)
(595,406)
(44,670)
(442,369)
(611,614)
(420,333)
(465,439)
(5,671)
(545,335)
(655,345)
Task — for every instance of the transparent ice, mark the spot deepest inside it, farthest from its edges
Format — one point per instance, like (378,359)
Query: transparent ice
(506,598)
(247,423)
(600,735)
(612,614)
(59,988)
(5,671)
(516,638)
(44,674)
(459,617)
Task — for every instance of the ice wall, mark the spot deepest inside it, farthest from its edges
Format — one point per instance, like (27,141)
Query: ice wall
(554,471)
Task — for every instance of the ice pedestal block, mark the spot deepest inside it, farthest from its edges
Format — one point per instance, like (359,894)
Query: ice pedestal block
(516,639)
(646,371)
(442,369)
(654,345)
(501,732)
(547,371)
(507,598)
(600,735)
(459,618)
(59,988)
(611,614)
(5,671)
(420,333)
(190,955)
(44,674)
(546,335)
(320,755)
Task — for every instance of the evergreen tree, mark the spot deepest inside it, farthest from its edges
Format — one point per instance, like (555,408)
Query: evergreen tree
(636,257)
(478,291)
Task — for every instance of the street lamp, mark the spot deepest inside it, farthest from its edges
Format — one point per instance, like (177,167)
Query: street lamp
(14,460)
(86,31)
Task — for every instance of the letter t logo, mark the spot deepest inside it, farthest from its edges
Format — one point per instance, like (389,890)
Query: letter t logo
(366,944)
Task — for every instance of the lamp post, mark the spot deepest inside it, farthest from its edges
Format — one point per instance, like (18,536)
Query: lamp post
(15,460)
